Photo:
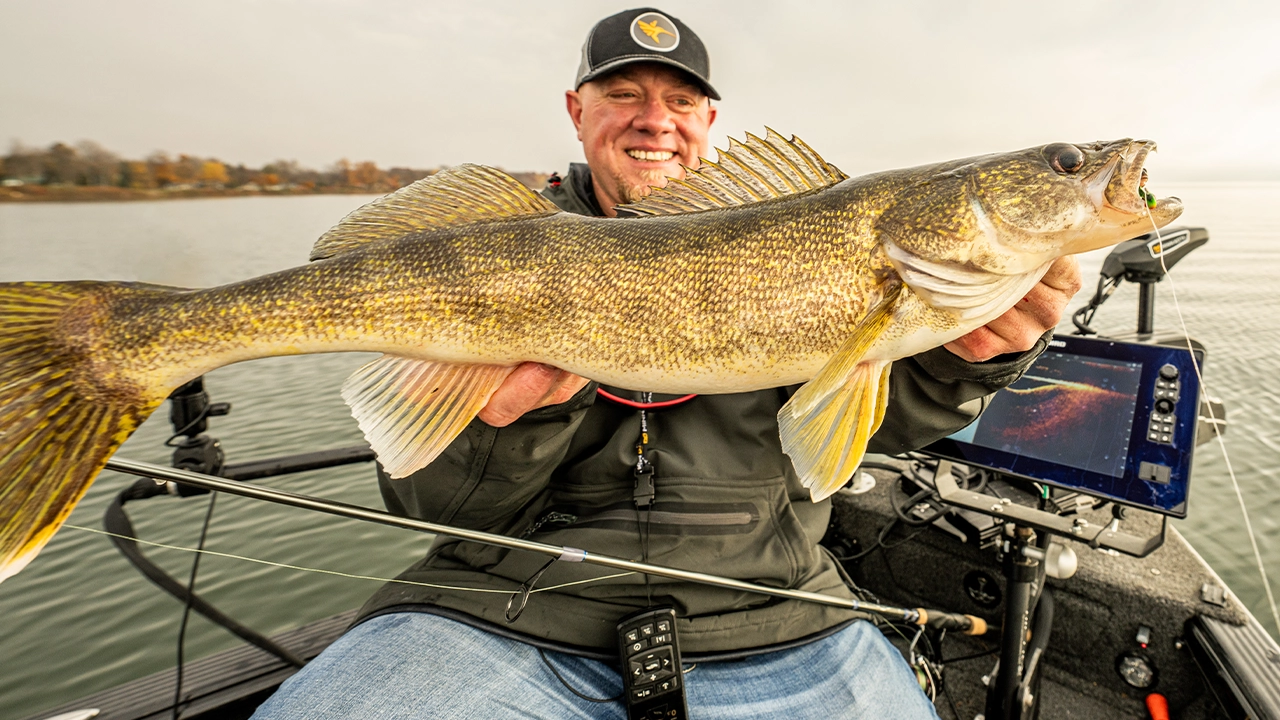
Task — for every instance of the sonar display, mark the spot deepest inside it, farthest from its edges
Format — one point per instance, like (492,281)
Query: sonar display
(1068,409)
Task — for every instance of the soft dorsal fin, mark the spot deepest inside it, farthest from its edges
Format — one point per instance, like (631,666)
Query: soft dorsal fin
(456,196)
(759,169)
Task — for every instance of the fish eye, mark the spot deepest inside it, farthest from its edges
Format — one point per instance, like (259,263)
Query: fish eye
(1064,158)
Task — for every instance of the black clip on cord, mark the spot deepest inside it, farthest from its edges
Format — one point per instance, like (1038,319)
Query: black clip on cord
(523,591)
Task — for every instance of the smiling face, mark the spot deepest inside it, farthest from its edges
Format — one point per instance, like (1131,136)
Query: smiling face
(639,126)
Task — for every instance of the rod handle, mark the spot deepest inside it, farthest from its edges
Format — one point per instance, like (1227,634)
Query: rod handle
(967,624)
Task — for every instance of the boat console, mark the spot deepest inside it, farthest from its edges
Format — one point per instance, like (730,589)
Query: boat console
(1094,421)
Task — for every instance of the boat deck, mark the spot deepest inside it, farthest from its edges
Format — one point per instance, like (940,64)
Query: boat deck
(227,686)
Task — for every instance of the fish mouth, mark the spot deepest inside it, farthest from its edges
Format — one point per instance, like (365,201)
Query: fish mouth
(1120,185)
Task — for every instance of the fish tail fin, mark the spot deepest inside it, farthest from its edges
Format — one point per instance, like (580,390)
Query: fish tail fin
(56,429)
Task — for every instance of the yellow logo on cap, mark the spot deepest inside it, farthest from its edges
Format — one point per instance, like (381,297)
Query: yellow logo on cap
(655,31)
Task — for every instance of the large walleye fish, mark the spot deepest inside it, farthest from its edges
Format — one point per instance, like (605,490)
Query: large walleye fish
(767,268)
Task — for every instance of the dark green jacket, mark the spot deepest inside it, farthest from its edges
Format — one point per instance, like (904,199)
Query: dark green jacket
(728,502)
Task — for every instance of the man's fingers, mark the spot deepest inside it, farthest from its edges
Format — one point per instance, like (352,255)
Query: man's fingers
(566,387)
(523,388)
(529,387)
(1018,329)
(1064,275)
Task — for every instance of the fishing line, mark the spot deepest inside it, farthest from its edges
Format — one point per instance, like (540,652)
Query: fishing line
(1253,541)
(322,571)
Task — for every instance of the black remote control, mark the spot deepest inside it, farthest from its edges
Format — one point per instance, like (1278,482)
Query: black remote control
(652,682)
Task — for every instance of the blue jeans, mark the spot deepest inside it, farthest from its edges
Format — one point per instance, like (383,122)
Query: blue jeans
(415,665)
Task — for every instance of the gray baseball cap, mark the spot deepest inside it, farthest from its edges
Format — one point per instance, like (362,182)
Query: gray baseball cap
(644,35)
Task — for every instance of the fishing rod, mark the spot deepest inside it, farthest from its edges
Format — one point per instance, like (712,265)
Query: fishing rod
(936,619)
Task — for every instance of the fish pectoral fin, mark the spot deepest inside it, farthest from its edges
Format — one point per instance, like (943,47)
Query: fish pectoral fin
(410,410)
(827,443)
(825,426)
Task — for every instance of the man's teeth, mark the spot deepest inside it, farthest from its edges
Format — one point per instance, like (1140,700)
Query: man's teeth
(655,155)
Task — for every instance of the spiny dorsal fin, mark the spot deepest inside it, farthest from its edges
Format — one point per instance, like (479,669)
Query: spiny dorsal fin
(759,169)
(457,196)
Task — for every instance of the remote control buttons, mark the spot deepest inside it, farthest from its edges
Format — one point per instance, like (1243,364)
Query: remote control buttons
(650,658)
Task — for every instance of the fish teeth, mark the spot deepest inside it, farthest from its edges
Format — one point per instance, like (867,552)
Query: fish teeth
(658,155)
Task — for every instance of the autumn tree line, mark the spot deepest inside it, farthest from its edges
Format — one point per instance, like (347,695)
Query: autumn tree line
(63,171)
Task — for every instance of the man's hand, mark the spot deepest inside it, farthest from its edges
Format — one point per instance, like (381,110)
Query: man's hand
(1018,329)
(529,387)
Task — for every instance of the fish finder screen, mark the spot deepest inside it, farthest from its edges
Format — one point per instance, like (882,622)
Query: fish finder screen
(1067,409)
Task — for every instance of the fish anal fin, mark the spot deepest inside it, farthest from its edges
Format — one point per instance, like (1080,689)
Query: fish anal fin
(410,410)
(827,444)
(456,196)
(826,425)
(757,170)
(833,376)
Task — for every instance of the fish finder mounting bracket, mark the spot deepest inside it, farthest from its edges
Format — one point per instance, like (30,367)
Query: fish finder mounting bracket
(1028,556)
(1106,537)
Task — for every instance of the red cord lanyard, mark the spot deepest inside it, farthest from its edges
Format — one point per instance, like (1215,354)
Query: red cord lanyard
(644,405)
(644,490)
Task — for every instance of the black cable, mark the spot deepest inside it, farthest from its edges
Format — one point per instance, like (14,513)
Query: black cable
(116,521)
(186,608)
(884,531)
(902,509)
(571,689)
(203,414)
(873,465)
(946,693)
(647,398)
(1084,316)
(880,543)
(648,585)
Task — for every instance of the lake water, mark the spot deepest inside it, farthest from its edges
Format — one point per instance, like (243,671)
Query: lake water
(80,618)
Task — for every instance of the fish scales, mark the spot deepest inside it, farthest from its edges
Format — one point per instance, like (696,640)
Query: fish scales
(618,306)
(460,277)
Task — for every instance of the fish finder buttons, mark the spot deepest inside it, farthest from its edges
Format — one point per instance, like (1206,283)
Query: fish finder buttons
(1163,422)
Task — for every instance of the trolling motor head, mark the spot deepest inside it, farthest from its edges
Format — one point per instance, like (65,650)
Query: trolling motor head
(1139,259)
(1144,260)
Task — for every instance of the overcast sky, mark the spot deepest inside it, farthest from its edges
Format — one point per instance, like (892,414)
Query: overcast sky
(870,85)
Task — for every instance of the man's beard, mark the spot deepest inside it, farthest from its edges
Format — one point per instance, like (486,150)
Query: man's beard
(636,193)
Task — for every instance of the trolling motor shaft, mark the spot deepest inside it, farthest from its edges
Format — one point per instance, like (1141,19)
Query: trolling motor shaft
(937,619)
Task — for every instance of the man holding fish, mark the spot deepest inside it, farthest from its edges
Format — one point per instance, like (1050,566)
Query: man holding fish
(691,482)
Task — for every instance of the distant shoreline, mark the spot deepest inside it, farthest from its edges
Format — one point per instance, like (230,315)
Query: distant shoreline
(77,193)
